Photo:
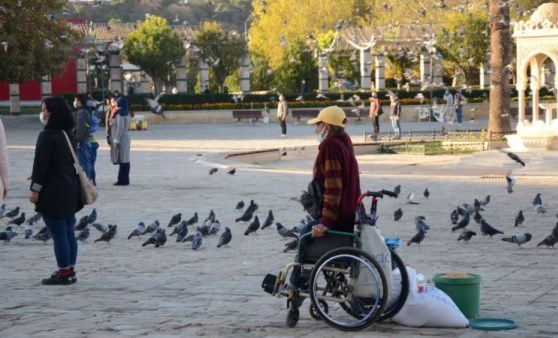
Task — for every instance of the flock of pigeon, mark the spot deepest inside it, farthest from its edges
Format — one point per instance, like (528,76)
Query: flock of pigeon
(461,217)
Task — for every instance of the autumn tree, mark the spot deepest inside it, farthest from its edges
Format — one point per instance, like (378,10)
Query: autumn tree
(298,64)
(33,42)
(156,49)
(221,51)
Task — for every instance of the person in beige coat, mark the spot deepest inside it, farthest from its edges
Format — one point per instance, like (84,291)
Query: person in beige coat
(282,110)
(4,173)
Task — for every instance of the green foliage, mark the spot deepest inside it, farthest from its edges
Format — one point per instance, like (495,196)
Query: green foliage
(221,51)
(156,49)
(34,44)
(298,64)
(261,75)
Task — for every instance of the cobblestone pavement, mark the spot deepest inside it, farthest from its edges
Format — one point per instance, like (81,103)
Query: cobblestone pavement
(126,290)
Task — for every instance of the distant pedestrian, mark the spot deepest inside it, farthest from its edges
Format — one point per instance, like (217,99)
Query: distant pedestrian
(83,134)
(4,172)
(375,112)
(282,110)
(120,141)
(448,98)
(458,102)
(395,114)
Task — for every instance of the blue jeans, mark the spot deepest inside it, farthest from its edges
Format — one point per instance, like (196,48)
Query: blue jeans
(64,238)
(84,156)
(396,125)
(296,275)
(93,158)
(459,113)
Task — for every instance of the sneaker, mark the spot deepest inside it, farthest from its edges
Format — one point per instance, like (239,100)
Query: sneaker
(283,135)
(56,279)
(73,277)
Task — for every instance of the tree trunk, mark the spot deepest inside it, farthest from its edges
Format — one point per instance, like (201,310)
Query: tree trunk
(500,42)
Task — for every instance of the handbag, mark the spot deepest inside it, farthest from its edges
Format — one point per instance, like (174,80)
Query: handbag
(312,199)
(88,193)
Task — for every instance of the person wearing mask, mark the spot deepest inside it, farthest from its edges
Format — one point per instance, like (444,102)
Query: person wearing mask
(55,188)
(282,110)
(83,133)
(336,172)
(120,141)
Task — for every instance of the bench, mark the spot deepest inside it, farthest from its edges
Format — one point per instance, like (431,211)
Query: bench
(247,114)
(307,113)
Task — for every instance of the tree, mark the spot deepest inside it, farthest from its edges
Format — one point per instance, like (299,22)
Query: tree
(500,58)
(221,51)
(298,64)
(464,42)
(34,44)
(156,49)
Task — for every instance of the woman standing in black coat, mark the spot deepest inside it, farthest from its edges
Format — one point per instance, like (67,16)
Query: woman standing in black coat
(55,186)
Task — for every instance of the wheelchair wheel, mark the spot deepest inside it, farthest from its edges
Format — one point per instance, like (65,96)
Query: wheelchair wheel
(392,309)
(314,313)
(352,285)
(292,316)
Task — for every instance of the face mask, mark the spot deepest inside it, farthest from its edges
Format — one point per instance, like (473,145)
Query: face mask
(42,118)
(75,104)
(323,134)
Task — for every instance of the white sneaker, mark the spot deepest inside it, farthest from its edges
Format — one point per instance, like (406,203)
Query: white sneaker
(283,135)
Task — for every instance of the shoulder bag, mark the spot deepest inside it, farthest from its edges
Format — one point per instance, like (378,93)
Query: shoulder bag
(88,193)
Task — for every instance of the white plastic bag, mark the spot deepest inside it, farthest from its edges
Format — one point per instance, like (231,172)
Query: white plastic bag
(432,308)
(374,245)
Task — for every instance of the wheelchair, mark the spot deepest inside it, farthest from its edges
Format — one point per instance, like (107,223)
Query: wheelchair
(346,285)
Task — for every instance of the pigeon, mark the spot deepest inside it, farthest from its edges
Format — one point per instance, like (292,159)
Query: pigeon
(155,107)
(397,214)
(92,216)
(516,158)
(43,234)
(487,229)
(99,227)
(555,230)
(232,171)
(291,245)
(204,230)
(7,234)
(410,198)
(34,219)
(139,230)
(151,227)
(212,171)
(12,213)
(297,228)
(253,206)
(419,237)
(397,190)
(253,227)
(18,220)
(466,235)
(82,223)
(108,234)
(193,219)
(225,238)
(518,239)
(477,205)
(538,208)
(519,219)
(461,211)
(246,217)
(454,216)
(158,238)
(426,193)
(485,201)
(549,241)
(188,238)
(537,200)
(240,205)
(2,210)
(284,232)
(175,220)
(197,241)
(83,235)
(28,230)
(420,224)
(210,217)
(214,227)
(268,221)
(477,216)
(182,231)
(510,179)
(463,223)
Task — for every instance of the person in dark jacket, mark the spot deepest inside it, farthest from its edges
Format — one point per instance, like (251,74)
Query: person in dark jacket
(83,133)
(336,171)
(55,187)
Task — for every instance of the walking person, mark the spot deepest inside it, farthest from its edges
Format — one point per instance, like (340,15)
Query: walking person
(4,170)
(458,102)
(282,110)
(55,188)
(83,133)
(120,141)
(375,112)
(395,114)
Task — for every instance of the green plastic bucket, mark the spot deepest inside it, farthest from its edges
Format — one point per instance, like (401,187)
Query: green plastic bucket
(463,289)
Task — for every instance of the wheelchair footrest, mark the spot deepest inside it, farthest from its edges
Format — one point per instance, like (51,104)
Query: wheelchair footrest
(268,283)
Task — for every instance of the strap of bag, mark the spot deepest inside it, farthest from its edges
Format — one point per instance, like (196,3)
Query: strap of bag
(71,148)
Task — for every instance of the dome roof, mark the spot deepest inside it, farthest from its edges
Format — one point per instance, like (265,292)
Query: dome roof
(545,11)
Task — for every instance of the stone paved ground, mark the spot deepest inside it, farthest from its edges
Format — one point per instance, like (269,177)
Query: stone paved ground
(127,290)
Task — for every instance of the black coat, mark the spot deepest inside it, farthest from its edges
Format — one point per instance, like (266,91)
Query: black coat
(54,175)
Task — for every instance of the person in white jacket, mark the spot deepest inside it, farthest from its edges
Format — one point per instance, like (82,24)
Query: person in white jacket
(282,109)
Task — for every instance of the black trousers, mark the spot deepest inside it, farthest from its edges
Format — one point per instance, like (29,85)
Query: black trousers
(376,124)
(124,173)
(283,126)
